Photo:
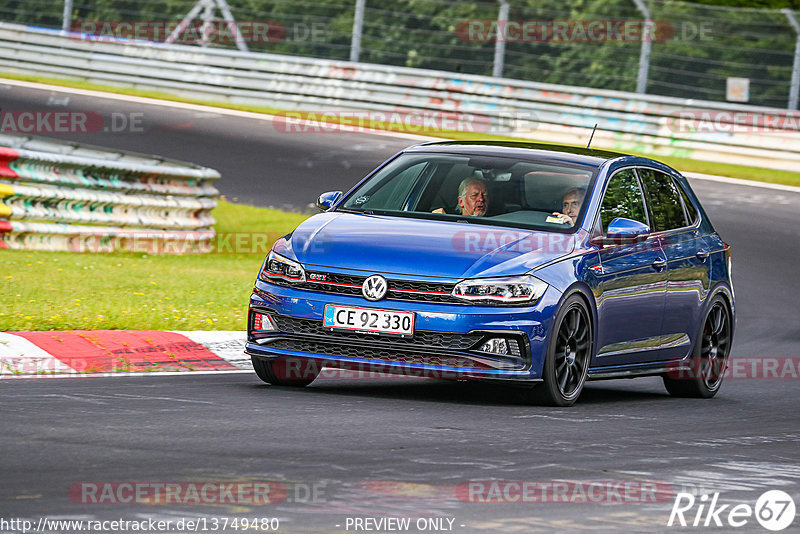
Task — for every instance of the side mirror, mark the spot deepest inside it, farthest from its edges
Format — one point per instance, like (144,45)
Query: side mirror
(327,200)
(622,231)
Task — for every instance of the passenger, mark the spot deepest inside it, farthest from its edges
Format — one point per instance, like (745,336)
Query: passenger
(473,198)
(571,205)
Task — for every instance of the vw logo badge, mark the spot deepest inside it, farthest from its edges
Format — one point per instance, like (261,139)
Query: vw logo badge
(374,287)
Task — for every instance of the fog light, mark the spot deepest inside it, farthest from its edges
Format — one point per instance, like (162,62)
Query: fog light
(263,322)
(497,345)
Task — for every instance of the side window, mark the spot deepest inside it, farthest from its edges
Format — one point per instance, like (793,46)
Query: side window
(691,212)
(623,198)
(664,200)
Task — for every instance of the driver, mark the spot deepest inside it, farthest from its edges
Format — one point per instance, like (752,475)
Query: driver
(571,205)
(473,198)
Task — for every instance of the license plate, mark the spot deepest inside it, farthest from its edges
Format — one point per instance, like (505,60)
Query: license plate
(369,320)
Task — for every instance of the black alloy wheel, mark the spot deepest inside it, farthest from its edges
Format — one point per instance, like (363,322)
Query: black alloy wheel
(710,358)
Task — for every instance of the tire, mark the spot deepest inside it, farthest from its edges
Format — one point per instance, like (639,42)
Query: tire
(275,372)
(569,352)
(709,358)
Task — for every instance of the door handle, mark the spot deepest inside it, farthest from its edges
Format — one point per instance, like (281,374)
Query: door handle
(659,264)
(702,255)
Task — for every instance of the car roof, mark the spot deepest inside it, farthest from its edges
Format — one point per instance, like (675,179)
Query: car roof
(521,149)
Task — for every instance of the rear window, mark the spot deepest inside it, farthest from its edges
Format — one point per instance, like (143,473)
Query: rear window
(664,200)
(691,212)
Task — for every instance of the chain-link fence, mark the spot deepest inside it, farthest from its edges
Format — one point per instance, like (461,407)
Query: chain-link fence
(683,50)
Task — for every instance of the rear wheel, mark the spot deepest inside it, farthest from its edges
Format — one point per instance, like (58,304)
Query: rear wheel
(285,371)
(568,354)
(710,359)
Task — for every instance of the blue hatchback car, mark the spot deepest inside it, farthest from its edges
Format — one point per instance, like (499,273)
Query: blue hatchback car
(527,264)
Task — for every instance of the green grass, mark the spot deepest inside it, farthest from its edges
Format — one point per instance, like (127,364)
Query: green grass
(75,291)
(682,164)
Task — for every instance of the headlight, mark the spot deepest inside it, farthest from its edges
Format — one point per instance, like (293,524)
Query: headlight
(277,266)
(511,289)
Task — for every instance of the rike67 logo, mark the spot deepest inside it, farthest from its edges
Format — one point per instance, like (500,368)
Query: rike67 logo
(774,510)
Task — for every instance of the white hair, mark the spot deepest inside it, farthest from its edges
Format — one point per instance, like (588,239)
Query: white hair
(462,187)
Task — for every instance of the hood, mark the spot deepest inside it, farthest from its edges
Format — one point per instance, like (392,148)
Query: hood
(398,245)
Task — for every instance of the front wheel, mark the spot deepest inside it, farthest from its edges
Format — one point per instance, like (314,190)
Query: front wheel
(285,371)
(568,354)
(710,358)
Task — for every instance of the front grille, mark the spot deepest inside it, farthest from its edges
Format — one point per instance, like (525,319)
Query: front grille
(371,353)
(422,338)
(337,278)
(425,347)
(344,284)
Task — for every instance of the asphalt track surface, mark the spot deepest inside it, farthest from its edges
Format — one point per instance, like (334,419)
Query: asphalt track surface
(379,448)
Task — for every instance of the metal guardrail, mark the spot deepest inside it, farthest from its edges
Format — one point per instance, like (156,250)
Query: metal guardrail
(626,121)
(64,196)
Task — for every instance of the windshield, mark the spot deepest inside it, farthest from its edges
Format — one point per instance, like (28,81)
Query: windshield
(480,189)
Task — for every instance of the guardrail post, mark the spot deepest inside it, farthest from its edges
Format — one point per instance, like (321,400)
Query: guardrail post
(232,27)
(644,55)
(794,88)
(207,7)
(500,43)
(358,24)
(66,21)
(208,24)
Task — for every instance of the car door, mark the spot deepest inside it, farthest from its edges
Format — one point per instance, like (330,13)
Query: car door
(676,223)
(631,287)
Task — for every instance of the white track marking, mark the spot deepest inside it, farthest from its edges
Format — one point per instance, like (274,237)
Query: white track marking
(19,357)
(227,344)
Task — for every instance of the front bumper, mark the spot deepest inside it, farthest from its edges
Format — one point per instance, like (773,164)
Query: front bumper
(445,344)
